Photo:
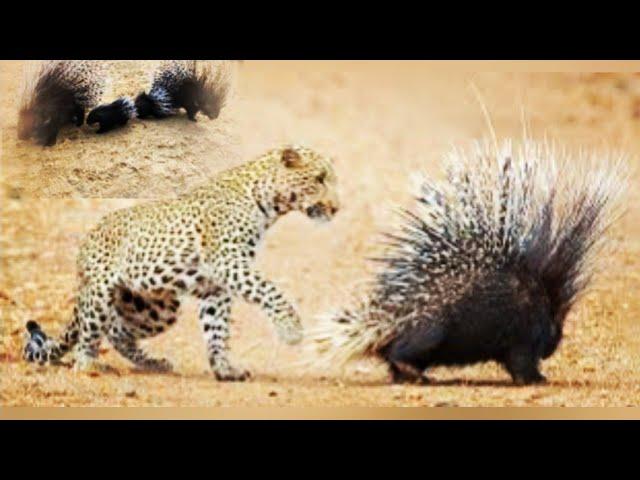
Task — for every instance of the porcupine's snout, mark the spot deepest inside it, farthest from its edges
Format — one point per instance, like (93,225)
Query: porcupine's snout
(105,115)
(26,122)
(93,117)
(211,112)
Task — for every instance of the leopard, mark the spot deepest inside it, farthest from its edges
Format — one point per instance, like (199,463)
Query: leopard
(138,263)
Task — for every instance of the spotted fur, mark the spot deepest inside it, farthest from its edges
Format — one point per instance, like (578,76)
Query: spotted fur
(135,265)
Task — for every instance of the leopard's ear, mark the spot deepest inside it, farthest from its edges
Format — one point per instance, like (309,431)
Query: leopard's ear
(291,158)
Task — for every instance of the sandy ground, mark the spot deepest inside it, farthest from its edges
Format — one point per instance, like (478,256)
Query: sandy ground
(381,122)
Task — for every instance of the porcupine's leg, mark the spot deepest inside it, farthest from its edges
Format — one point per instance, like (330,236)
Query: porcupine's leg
(192,110)
(215,310)
(78,115)
(186,98)
(522,364)
(50,138)
(406,373)
(409,354)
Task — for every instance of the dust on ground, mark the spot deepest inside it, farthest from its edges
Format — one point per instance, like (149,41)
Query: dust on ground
(381,122)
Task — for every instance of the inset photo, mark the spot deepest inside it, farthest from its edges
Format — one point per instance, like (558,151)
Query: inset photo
(93,128)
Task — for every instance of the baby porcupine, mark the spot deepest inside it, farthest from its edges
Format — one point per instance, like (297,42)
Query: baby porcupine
(486,268)
(113,115)
(189,84)
(56,93)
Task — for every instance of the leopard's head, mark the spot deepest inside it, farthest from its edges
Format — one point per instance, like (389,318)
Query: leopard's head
(306,182)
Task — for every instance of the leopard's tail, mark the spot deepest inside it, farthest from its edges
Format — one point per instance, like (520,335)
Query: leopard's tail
(42,349)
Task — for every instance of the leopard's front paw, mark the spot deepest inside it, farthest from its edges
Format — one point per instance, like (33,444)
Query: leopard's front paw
(86,364)
(291,331)
(231,374)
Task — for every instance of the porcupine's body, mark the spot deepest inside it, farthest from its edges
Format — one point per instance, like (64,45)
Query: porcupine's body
(113,115)
(57,93)
(193,85)
(486,268)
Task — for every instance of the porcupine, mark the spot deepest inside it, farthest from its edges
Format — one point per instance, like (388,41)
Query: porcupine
(57,93)
(113,115)
(189,84)
(486,268)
